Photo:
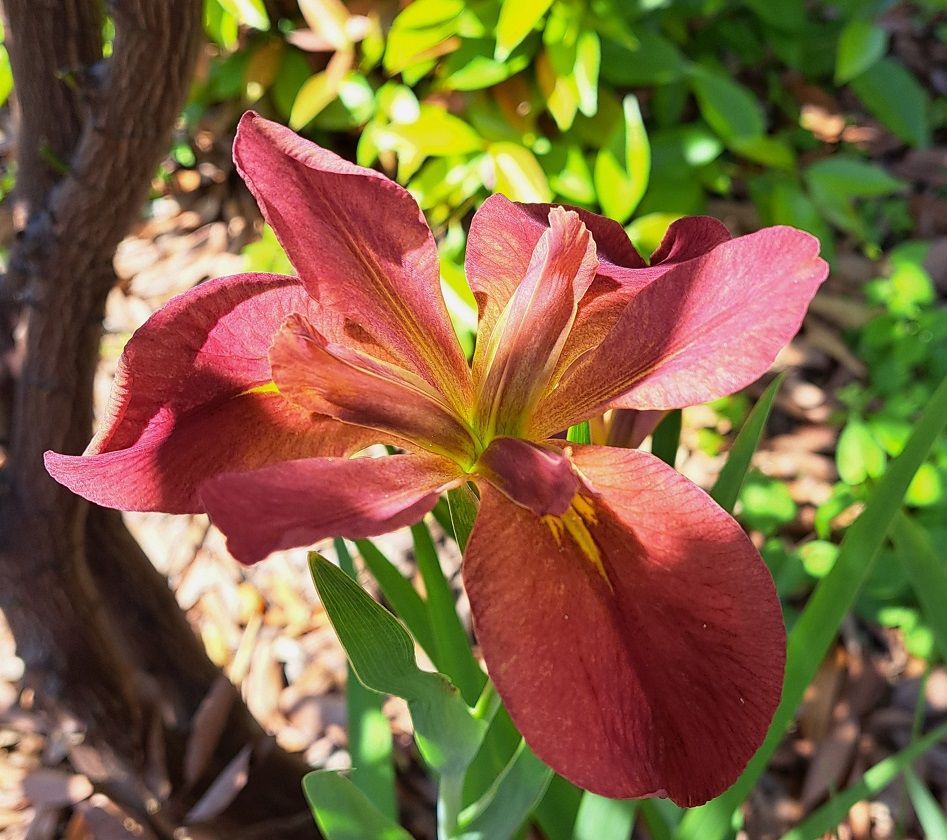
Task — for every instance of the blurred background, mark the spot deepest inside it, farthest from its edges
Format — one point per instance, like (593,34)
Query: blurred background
(829,115)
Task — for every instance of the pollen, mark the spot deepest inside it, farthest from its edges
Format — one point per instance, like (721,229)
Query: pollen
(576,521)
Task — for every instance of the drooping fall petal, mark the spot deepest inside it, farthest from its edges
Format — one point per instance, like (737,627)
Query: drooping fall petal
(535,323)
(362,248)
(540,478)
(701,331)
(645,613)
(297,503)
(348,385)
(191,398)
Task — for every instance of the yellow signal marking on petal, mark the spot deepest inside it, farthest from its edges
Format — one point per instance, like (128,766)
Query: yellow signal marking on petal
(266,388)
(576,521)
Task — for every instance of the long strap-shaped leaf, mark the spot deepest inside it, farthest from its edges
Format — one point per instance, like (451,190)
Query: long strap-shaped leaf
(927,573)
(830,602)
(369,732)
(726,489)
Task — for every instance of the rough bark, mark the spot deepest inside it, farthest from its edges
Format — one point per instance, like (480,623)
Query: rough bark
(103,640)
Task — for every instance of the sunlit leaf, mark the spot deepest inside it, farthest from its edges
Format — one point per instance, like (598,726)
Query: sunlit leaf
(622,168)
(860,45)
(517,173)
(517,20)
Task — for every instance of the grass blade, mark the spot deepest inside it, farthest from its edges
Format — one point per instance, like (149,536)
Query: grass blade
(369,733)
(873,782)
(927,573)
(927,808)
(451,653)
(830,602)
(726,489)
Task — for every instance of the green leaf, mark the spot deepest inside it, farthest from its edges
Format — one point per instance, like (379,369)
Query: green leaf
(369,732)
(895,97)
(851,177)
(927,573)
(517,20)
(830,602)
(768,151)
(580,433)
(872,783)
(315,94)
(726,489)
(463,511)
(451,646)
(728,107)
(623,166)
(343,812)
(399,592)
(435,132)
(518,174)
(420,28)
(667,438)
(382,656)
(654,61)
(858,454)
(787,15)
(500,812)
(600,818)
(588,60)
(251,13)
(860,44)
(556,813)
(927,808)
(6,75)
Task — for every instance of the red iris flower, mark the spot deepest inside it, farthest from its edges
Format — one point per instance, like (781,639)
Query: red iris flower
(626,620)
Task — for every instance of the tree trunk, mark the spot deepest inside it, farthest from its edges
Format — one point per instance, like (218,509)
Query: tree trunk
(103,640)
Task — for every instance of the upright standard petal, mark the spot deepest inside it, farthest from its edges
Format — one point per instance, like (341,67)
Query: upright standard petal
(192,397)
(298,503)
(502,238)
(706,328)
(362,248)
(534,324)
(504,233)
(637,640)
(348,385)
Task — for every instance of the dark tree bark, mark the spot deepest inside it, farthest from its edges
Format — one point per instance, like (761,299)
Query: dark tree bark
(102,637)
